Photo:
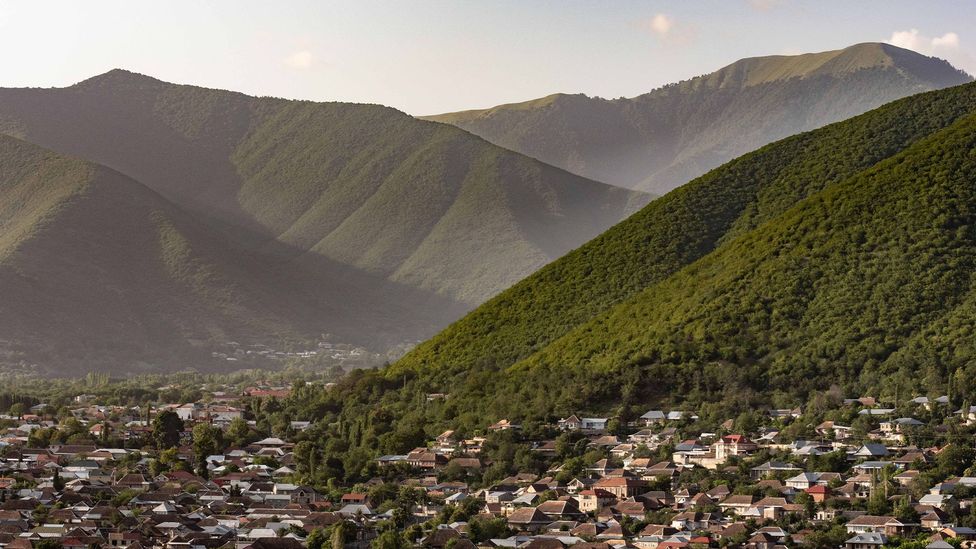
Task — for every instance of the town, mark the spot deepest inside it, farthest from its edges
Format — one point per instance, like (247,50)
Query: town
(217,472)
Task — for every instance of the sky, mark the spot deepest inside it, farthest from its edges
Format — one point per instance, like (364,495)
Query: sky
(428,57)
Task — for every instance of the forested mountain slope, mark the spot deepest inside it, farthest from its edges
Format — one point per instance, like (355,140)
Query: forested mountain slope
(842,255)
(671,135)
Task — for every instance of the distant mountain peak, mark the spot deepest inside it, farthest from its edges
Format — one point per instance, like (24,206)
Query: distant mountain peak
(754,71)
(120,78)
(670,135)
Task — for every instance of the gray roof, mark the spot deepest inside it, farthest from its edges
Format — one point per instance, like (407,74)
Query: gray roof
(871,538)
(877,411)
(872,449)
(776,466)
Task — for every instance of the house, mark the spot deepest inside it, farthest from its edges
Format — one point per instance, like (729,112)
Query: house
(771,507)
(678,415)
(934,519)
(876,412)
(803,481)
(928,403)
(694,520)
(423,458)
(865,524)
(899,425)
(819,493)
(939,501)
(354,498)
(967,415)
(601,467)
(270,442)
(651,417)
(905,478)
(561,509)
(737,504)
(594,499)
(528,518)
(829,429)
(593,424)
(503,425)
(733,445)
(871,450)
(772,468)
(571,423)
(622,487)
(784,413)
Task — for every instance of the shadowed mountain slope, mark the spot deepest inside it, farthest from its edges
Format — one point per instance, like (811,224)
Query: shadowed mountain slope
(99,272)
(420,204)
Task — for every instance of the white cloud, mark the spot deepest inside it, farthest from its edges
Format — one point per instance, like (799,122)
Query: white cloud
(914,40)
(300,60)
(948,46)
(661,24)
(947,40)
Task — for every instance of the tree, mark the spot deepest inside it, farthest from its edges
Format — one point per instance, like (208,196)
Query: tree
(482,529)
(954,459)
(341,532)
(238,432)
(390,539)
(317,539)
(17,409)
(166,430)
(906,513)
(809,505)
(206,442)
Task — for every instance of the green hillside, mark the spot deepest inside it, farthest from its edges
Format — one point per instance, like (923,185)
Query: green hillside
(664,138)
(416,203)
(839,256)
(99,272)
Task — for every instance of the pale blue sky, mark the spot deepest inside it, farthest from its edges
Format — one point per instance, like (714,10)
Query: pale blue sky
(437,56)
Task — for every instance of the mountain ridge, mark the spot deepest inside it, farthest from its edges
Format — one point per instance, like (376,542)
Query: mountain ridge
(660,139)
(318,177)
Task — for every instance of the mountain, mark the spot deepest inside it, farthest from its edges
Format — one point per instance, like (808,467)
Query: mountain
(98,272)
(659,140)
(413,203)
(840,256)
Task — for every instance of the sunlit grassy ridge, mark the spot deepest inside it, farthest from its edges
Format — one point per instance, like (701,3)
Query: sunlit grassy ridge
(664,138)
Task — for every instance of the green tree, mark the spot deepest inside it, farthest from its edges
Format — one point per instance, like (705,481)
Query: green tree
(955,458)
(482,529)
(17,409)
(206,442)
(166,429)
(317,539)
(906,513)
(389,539)
(342,532)
(238,432)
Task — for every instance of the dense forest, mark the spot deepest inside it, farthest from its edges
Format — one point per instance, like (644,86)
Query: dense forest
(833,263)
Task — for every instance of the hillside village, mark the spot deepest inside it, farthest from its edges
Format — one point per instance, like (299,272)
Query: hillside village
(207,474)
